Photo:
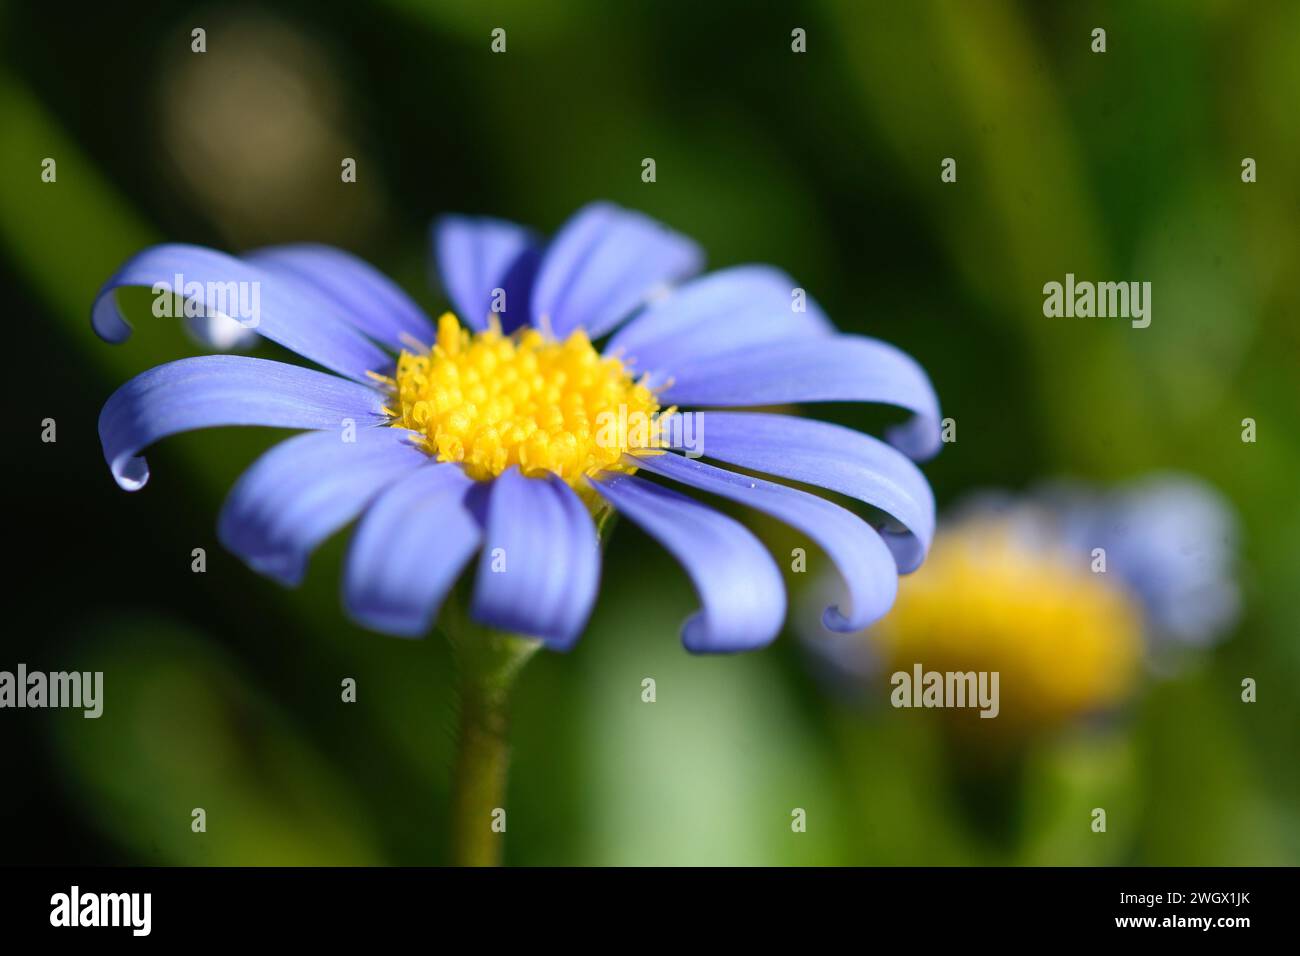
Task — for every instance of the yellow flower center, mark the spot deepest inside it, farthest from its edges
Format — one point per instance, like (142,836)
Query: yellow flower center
(492,401)
(1065,641)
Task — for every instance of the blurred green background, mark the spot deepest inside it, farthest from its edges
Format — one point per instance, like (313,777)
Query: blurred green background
(222,689)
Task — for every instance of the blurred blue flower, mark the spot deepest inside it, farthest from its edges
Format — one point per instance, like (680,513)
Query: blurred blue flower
(496,446)
(1063,587)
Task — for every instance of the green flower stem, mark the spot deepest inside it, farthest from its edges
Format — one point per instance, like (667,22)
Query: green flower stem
(488,662)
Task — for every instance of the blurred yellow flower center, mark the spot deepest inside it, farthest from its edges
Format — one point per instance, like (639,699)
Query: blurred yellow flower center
(491,401)
(1065,641)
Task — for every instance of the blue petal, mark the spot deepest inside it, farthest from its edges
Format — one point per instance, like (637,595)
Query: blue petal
(540,564)
(290,311)
(219,333)
(477,255)
(857,551)
(366,297)
(305,489)
(838,368)
(603,264)
(828,456)
(1172,539)
(223,390)
(408,551)
(720,312)
(740,589)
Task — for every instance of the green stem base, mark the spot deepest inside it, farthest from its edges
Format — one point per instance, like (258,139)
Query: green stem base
(488,662)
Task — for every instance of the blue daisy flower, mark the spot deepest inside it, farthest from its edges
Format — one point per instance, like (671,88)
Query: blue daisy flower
(486,436)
